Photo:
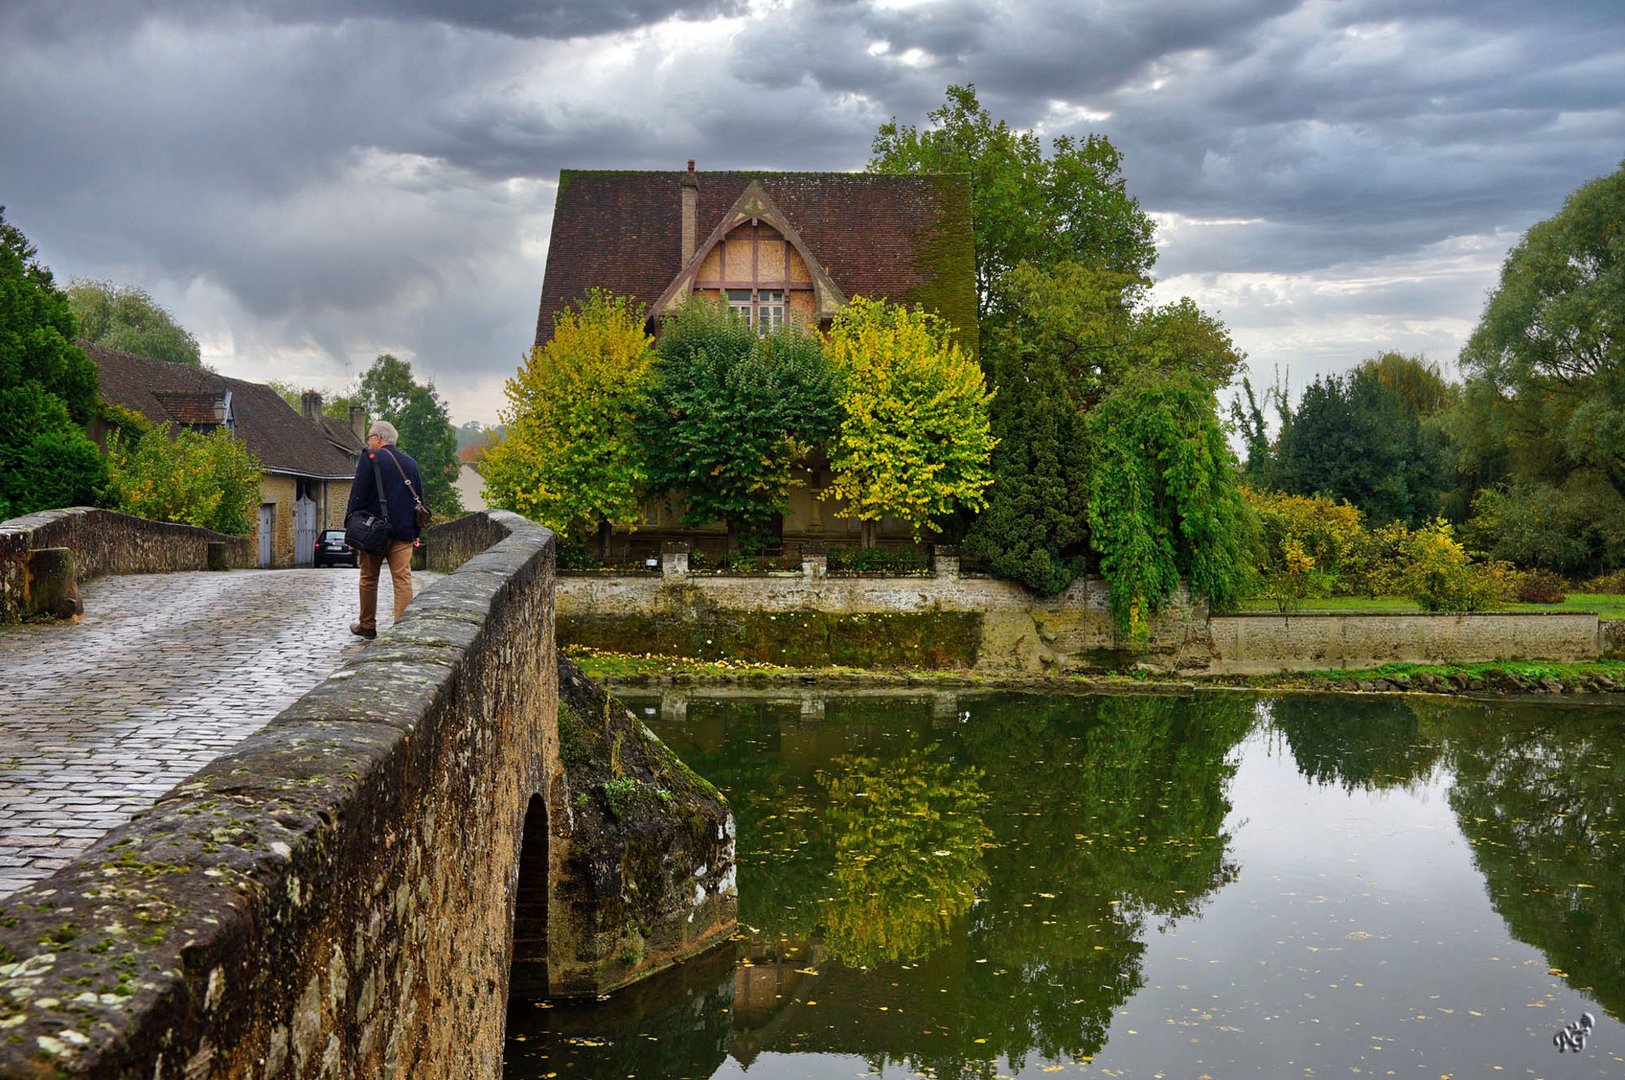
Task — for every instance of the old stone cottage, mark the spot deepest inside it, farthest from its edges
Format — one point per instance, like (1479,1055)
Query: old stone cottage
(309,458)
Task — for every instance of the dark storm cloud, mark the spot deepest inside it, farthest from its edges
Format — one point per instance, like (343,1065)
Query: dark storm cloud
(558,19)
(304,177)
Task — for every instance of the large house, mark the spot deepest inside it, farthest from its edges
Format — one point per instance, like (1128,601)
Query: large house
(774,247)
(309,458)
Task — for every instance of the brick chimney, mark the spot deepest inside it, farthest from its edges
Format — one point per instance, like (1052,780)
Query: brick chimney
(691,205)
(358,422)
(310,404)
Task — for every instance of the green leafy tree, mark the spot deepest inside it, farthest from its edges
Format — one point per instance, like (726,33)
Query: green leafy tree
(730,414)
(1369,437)
(913,441)
(126,317)
(1164,501)
(1060,340)
(389,392)
(1072,205)
(211,481)
(570,459)
(1544,408)
(47,390)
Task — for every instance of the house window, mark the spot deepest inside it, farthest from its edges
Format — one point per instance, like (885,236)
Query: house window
(762,309)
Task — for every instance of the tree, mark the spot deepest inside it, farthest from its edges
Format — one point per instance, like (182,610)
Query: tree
(913,441)
(1069,339)
(571,459)
(1050,354)
(388,392)
(127,318)
(1373,437)
(1164,503)
(1551,338)
(47,390)
(730,414)
(334,406)
(1544,408)
(211,481)
(1027,208)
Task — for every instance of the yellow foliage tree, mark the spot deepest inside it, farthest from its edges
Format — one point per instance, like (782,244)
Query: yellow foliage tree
(571,459)
(914,441)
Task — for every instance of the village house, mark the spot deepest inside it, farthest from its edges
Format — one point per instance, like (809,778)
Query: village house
(309,458)
(775,247)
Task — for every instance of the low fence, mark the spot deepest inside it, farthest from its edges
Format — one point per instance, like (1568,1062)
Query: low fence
(44,556)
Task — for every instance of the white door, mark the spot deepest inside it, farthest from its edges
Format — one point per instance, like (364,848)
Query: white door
(267,520)
(304,526)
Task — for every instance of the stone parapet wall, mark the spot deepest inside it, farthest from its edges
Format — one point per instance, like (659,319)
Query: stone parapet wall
(450,545)
(1264,643)
(335,896)
(105,542)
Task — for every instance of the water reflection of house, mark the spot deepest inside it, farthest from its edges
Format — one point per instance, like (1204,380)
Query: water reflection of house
(776,247)
(309,458)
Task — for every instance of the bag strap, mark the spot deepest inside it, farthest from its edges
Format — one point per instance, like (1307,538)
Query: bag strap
(378,478)
(409,488)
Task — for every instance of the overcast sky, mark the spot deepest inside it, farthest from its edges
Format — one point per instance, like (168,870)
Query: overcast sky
(308,183)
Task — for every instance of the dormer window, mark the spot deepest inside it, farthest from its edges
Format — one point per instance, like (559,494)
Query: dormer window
(762,309)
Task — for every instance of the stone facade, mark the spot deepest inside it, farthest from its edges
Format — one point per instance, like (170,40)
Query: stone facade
(104,542)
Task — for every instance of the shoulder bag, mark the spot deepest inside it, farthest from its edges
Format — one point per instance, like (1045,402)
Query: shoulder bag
(421,515)
(365,530)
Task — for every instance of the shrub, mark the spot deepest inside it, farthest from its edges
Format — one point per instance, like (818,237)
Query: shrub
(1540,587)
(1375,562)
(879,560)
(1440,576)
(1612,583)
(211,481)
(1296,579)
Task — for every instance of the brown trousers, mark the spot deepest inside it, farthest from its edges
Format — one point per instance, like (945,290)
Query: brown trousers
(400,580)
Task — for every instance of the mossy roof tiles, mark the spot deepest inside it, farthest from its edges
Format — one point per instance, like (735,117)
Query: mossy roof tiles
(876,235)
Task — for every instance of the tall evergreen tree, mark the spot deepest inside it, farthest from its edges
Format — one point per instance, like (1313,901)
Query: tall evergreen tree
(389,392)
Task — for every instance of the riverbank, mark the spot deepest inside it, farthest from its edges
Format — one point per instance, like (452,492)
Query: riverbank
(1510,677)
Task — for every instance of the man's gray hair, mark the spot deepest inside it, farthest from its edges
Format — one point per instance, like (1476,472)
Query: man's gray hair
(386,431)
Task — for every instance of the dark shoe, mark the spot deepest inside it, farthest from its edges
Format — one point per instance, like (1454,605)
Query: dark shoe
(361,631)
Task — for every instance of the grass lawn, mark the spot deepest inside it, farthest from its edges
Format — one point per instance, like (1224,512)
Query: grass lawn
(1606,605)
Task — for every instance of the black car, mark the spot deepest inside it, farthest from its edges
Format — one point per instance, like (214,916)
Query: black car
(331,550)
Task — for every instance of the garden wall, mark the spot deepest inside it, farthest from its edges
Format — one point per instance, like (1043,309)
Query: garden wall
(1257,644)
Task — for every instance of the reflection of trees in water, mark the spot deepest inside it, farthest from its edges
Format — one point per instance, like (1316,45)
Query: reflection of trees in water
(908,834)
(1537,790)
(1540,794)
(1106,819)
(1364,744)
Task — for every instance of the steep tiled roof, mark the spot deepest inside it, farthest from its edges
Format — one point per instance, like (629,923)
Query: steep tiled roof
(177,394)
(892,237)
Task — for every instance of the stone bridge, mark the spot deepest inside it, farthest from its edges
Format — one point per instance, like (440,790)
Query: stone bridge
(382,839)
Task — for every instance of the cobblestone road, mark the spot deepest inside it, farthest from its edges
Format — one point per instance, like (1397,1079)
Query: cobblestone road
(163,674)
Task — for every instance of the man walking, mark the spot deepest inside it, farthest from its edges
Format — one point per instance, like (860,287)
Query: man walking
(401,485)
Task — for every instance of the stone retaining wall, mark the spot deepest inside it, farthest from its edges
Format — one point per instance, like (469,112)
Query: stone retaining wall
(936,621)
(1264,643)
(334,897)
(104,542)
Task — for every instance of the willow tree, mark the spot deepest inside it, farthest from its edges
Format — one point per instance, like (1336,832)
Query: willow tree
(570,459)
(1164,502)
(913,441)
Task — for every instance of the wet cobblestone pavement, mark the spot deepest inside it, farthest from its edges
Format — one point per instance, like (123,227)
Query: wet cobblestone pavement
(164,673)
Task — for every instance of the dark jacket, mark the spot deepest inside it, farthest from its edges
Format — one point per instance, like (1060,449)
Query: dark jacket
(364,490)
